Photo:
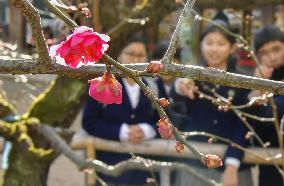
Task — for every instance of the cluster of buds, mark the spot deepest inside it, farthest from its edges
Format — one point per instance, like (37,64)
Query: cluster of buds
(223,104)
(261,100)
(179,147)
(212,161)
(224,108)
(165,128)
(154,67)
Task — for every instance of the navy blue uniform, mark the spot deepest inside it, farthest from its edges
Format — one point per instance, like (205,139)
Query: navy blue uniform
(203,115)
(104,121)
(268,174)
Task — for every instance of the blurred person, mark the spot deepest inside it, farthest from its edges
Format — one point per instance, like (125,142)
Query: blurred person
(269,48)
(133,121)
(216,49)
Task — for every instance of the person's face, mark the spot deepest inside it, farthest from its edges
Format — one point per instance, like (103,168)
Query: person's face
(216,49)
(133,53)
(272,54)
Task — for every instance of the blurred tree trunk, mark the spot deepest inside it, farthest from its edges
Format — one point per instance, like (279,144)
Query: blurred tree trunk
(57,106)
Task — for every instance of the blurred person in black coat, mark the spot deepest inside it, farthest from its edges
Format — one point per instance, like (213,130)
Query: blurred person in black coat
(269,48)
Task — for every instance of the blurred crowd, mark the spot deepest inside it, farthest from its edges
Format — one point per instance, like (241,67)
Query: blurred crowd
(190,111)
(134,120)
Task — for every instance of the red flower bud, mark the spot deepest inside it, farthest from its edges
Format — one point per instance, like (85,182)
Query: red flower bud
(179,147)
(212,161)
(165,129)
(154,67)
(106,89)
(163,102)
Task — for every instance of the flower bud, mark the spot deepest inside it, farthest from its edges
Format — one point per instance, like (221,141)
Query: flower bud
(154,67)
(106,89)
(163,102)
(165,129)
(212,161)
(179,147)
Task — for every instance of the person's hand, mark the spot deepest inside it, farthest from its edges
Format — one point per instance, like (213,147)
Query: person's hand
(136,134)
(187,88)
(266,71)
(230,176)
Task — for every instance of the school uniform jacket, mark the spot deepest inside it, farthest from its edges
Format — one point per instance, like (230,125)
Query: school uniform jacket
(104,121)
(268,174)
(203,115)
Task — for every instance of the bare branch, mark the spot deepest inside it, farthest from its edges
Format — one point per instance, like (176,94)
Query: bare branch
(33,18)
(61,15)
(119,168)
(27,66)
(168,57)
(17,133)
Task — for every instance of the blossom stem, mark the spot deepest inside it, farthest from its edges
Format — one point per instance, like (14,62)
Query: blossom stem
(61,15)
(152,97)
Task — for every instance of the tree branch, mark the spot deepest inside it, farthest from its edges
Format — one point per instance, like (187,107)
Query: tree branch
(61,15)
(27,66)
(169,55)
(33,18)
(119,168)
(17,132)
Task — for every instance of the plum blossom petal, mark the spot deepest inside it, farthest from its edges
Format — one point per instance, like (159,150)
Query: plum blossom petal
(83,46)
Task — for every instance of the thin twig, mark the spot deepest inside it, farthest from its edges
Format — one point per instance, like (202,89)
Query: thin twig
(233,144)
(261,119)
(33,19)
(152,97)
(259,140)
(113,170)
(61,15)
(169,55)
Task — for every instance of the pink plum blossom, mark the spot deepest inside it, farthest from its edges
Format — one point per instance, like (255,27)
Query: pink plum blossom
(83,45)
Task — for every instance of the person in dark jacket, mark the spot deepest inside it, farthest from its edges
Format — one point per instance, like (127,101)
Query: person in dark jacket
(203,115)
(269,47)
(134,120)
